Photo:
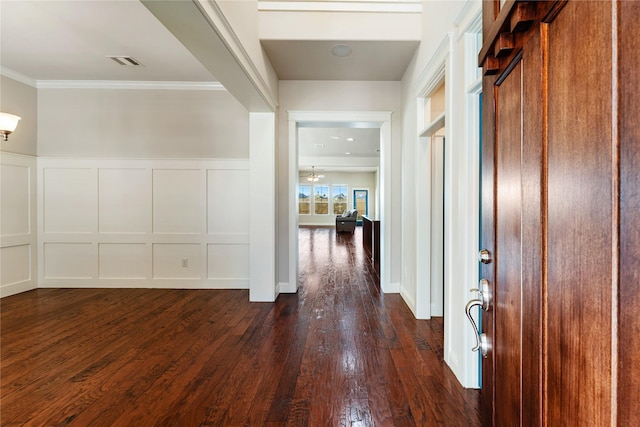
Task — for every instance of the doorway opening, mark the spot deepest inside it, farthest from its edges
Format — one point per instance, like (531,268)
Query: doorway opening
(378,121)
(432,201)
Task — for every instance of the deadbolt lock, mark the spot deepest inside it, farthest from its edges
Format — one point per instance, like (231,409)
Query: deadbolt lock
(484,256)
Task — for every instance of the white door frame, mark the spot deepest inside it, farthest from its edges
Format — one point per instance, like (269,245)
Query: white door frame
(363,119)
(435,73)
(353,201)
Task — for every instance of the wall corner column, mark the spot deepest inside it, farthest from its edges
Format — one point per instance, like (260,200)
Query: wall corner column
(262,218)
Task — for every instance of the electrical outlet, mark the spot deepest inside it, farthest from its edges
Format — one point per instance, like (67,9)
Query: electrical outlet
(185,262)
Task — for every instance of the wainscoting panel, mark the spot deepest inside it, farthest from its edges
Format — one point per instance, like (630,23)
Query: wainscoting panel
(228,205)
(228,261)
(178,201)
(122,260)
(177,261)
(15,200)
(16,264)
(18,214)
(124,201)
(70,202)
(69,261)
(143,223)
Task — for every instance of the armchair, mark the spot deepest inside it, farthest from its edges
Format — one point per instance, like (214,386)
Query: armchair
(347,221)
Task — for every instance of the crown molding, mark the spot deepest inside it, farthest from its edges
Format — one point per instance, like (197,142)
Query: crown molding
(108,84)
(134,85)
(366,6)
(14,75)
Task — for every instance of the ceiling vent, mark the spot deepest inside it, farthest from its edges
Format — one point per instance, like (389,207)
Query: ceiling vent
(127,61)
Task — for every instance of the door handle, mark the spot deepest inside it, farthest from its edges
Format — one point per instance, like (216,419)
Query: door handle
(482,341)
(485,294)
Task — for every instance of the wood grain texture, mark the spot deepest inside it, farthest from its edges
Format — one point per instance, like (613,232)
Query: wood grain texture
(629,292)
(508,285)
(337,353)
(580,215)
(533,223)
(487,236)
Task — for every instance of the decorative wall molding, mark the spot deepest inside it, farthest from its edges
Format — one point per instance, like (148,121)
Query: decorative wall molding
(109,84)
(18,250)
(131,85)
(153,223)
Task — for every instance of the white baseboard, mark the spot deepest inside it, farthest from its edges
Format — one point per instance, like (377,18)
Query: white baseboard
(287,288)
(393,288)
(409,300)
(17,288)
(147,283)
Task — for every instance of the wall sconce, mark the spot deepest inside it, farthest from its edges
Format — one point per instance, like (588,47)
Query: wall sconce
(8,123)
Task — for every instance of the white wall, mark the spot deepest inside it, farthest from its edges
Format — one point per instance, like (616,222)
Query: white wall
(143,188)
(20,99)
(354,180)
(340,96)
(338,25)
(443,25)
(141,123)
(129,183)
(18,206)
(18,203)
(143,223)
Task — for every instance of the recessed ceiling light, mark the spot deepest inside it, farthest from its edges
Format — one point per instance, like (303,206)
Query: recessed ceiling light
(318,145)
(347,153)
(350,139)
(335,137)
(341,50)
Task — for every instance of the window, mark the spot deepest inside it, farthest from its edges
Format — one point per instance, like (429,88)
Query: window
(304,199)
(321,200)
(339,196)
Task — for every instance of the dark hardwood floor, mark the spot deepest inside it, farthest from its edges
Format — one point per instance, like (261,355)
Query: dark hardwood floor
(338,353)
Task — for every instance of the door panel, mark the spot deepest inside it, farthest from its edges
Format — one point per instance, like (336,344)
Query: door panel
(487,240)
(508,285)
(533,202)
(579,215)
(629,327)
(560,198)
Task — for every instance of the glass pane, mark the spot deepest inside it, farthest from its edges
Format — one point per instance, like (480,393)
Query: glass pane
(321,199)
(304,199)
(360,201)
(339,197)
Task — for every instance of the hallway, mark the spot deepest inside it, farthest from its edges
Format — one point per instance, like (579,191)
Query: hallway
(382,367)
(336,354)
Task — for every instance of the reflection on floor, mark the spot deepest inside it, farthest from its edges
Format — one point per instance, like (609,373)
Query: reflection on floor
(337,353)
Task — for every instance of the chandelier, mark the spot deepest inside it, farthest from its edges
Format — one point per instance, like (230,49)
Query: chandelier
(313,176)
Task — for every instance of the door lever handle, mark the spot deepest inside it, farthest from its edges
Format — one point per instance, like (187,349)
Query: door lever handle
(482,341)
(485,294)
(470,305)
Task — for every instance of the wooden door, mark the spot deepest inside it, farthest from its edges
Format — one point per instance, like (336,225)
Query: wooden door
(513,324)
(559,213)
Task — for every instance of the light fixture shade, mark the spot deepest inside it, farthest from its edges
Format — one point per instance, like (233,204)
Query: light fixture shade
(8,122)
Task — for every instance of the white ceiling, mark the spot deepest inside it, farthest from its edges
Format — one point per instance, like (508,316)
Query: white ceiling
(70,40)
(313,60)
(327,148)
(334,142)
